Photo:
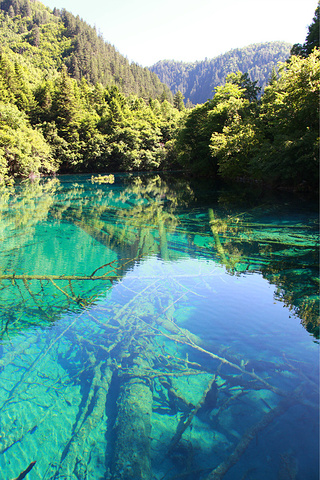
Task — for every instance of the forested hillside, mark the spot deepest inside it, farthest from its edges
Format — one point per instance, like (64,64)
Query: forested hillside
(43,40)
(63,111)
(274,141)
(61,125)
(196,81)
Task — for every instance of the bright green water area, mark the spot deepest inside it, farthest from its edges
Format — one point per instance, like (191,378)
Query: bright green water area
(154,328)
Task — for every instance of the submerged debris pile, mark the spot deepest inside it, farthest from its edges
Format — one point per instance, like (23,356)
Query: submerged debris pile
(125,391)
(102,374)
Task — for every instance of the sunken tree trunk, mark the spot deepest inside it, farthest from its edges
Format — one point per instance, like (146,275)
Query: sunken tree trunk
(131,459)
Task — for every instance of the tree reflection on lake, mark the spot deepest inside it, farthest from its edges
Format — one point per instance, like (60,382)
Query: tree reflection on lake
(142,334)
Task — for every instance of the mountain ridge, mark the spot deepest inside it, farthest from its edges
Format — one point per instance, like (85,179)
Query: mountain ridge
(197,80)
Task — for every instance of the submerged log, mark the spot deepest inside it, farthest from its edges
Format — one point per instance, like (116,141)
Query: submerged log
(177,332)
(132,430)
(75,456)
(220,471)
(14,277)
(25,472)
(185,422)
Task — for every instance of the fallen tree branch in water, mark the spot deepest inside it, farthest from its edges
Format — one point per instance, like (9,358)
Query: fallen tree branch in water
(192,342)
(10,356)
(184,424)
(14,277)
(92,413)
(102,266)
(219,472)
(152,374)
(25,472)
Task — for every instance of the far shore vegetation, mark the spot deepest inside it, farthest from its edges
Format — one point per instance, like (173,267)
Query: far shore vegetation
(63,109)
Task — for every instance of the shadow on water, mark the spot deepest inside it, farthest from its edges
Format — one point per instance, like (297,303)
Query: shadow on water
(142,336)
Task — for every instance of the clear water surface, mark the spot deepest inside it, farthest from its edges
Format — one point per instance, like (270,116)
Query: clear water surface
(156,328)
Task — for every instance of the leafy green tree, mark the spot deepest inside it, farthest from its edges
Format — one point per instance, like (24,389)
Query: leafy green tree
(251,90)
(312,39)
(34,36)
(11,12)
(289,125)
(234,148)
(16,7)
(170,120)
(26,9)
(228,103)
(23,94)
(273,77)
(66,107)
(23,150)
(178,101)
(234,135)
(192,142)
(8,80)
(43,98)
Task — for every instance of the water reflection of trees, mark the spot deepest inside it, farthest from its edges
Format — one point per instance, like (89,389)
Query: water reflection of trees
(134,352)
(285,251)
(147,216)
(127,223)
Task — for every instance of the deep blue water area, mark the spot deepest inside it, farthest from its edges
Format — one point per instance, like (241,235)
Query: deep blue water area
(158,328)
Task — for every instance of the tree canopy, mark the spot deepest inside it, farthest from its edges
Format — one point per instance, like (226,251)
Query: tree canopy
(68,126)
(275,139)
(312,39)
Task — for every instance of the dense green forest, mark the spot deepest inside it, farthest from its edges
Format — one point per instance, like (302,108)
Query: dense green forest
(44,41)
(197,80)
(55,118)
(70,102)
(274,139)
(69,126)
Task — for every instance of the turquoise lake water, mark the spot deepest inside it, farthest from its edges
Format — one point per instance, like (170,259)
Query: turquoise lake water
(157,328)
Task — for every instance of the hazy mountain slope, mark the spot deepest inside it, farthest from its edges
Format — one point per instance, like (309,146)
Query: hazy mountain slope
(197,80)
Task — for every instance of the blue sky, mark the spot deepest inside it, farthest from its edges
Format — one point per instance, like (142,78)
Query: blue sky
(147,31)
